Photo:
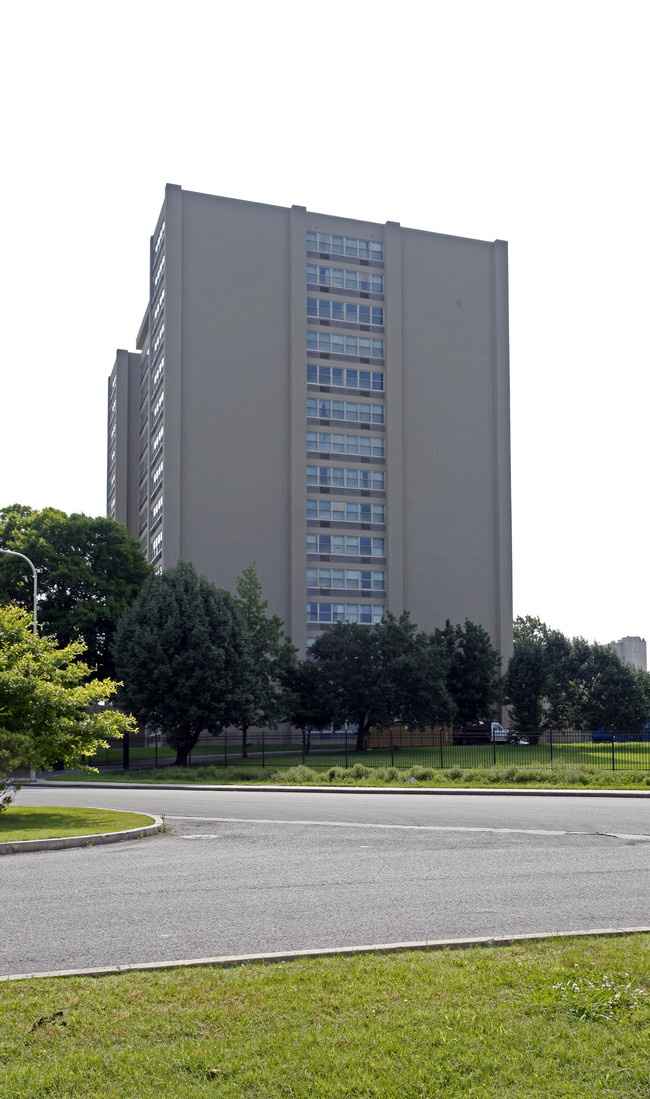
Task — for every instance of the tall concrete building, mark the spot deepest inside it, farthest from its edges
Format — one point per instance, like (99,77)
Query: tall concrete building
(329,398)
(631,650)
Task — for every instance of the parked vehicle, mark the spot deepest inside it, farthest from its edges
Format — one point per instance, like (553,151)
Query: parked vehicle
(485,733)
(602,735)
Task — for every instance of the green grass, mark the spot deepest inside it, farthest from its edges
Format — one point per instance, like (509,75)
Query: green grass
(507,776)
(563,1018)
(50,822)
(627,755)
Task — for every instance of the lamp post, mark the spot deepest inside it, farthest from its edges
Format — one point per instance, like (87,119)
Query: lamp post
(15,553)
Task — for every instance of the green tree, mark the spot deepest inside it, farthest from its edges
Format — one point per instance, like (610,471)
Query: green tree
(89,572)
(473,676)
(379,676)
(562,686)
(182,652)
(49,711)
(554,680)
(612,694)
(270,651)
(528,628)
(525,685)
(306,702)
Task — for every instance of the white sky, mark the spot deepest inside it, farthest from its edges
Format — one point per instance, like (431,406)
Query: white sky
(505,120)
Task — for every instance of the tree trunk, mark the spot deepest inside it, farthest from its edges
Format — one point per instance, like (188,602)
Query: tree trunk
(362,732)
(244,745)
(181,757)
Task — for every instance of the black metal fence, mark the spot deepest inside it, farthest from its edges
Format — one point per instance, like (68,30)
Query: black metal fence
(397,747)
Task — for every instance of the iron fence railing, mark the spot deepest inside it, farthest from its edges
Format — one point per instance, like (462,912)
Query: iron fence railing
(397,747)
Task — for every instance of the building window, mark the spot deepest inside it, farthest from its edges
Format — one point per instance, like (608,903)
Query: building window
(339,477)
(159,239)
(332,343)
(157,444)
(344,279)
(159,272)
(158,409)
(159,341)
(346,545)
(356,411)
(156,480)
(370,614)
(345,246)
(344,311)
(370,445)
(350,579)
(345,511)
(340,376)
(156,512)
(160,305)
(160,370)
(156,547)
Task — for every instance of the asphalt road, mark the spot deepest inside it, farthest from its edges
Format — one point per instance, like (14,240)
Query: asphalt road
(246,872)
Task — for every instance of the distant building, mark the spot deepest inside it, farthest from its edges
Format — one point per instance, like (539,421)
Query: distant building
(330,398)
(631,650)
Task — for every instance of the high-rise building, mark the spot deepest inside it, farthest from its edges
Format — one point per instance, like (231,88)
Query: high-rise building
(326,397)
(631,650)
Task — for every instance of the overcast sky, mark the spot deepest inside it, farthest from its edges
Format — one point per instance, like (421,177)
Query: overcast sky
(522,122)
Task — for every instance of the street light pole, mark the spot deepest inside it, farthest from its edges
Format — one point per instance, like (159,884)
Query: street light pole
(15,553)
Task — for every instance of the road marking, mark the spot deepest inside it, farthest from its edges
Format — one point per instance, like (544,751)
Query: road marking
(410,827)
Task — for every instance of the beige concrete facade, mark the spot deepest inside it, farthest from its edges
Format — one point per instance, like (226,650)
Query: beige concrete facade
(403,463)
(631,650)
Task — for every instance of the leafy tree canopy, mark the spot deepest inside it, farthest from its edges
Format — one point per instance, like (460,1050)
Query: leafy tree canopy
(383,675)
(305,698)
(49,711)
(473,675)
(568,683)
(182,652)
(89,572)
(271,655)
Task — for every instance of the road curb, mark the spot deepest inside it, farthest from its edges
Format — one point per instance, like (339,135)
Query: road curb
(400,790)
(227,961)
(20,847)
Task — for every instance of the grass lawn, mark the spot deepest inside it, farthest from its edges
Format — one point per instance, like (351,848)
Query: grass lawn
(562,1018)
(633,755)
(507,776)
(49,822)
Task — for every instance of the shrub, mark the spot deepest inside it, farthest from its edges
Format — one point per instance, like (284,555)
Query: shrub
(298,776)
(386,774)
(422,774)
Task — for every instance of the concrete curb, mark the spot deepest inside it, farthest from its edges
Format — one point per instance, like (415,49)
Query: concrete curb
(544,792)
(19,847)
(226,961)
